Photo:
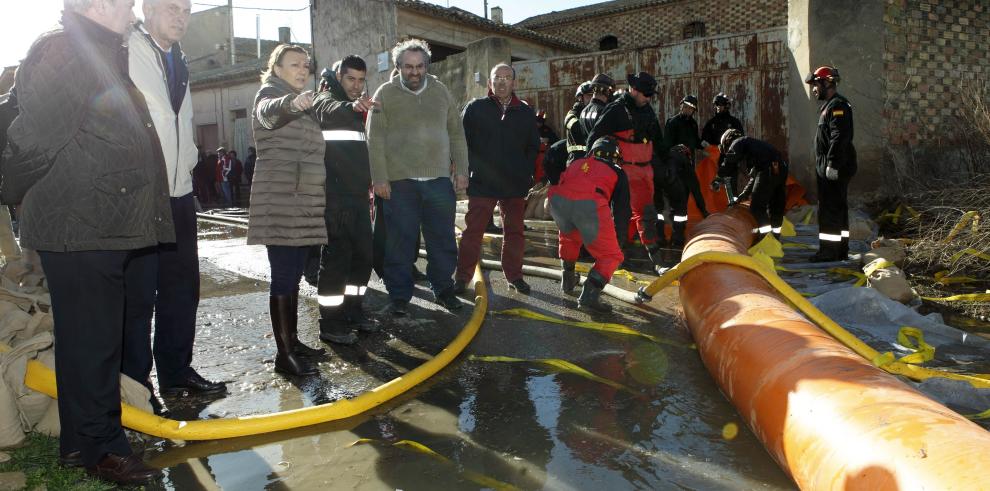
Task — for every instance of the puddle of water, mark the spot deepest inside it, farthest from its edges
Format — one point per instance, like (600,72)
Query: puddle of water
(518,423)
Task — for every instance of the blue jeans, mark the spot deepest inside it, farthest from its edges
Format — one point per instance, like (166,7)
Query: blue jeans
(287,263)
(228,193)
(413,204)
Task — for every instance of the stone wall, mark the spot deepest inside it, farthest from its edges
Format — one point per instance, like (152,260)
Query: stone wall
(664,23)
(936,56)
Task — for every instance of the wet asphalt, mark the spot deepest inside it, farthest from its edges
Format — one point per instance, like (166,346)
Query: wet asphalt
(665,425)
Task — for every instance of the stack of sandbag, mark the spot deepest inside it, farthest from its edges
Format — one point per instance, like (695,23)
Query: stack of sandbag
(537,205)
(882,267)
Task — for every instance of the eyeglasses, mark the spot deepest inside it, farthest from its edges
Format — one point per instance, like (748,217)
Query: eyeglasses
(501,79)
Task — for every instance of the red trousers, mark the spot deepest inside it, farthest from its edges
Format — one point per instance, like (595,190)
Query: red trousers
(513,242)
(587,222)
(644,214)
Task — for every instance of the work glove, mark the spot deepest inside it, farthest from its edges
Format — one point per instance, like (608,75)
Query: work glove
(734,201)
(716,184)
(831,173)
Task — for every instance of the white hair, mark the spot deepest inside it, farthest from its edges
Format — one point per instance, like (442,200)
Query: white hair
(77,5)
(410,45)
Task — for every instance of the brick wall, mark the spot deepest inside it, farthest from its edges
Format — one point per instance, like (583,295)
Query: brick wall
(661,24)
(934,49)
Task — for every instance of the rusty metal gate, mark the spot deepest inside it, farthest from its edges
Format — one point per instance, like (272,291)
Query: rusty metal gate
(750,68)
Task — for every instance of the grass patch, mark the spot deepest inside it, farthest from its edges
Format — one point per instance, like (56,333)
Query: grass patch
(38,460)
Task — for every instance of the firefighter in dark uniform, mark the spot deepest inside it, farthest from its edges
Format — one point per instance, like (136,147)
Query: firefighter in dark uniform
(579,204)
(668,185)
(767,186)
(631,120)
(575,134)
(601,94)
(345,266)
(835,164)
(682,129)
(722,120)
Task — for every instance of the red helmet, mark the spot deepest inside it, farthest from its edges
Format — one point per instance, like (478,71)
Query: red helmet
(826,73)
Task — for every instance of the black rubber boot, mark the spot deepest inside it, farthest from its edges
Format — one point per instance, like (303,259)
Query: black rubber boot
(297,346)
(336,329)
(677,235)
(570,277)
(355,314)
(286,361)
(590,298)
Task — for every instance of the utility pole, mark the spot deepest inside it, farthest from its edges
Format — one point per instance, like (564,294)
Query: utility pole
(486,9)
(233,49)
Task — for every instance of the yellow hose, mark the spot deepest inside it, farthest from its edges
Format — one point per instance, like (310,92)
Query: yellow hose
(809,310)
(42,379)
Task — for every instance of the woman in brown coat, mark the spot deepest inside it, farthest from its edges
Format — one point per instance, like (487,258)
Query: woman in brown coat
(287,195)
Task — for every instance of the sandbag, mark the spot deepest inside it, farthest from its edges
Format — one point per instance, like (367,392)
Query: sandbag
(885,277)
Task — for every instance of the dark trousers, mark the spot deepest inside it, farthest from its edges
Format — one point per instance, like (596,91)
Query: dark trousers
(668,186)
(478,217)
(769,199)
(414,204)
(345,264)
(692,187)
(88,291)
(170,289)
(378,242)
(287,264)
(833,215)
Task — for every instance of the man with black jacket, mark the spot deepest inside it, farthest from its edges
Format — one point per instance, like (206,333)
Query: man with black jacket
(767,179)
(723,120)
(502,142)
(574,132)
(345,265)
(835,159)
(85,163)
(633,123)
(682,129)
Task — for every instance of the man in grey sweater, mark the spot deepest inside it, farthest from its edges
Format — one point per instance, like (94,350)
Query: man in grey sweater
(418,162)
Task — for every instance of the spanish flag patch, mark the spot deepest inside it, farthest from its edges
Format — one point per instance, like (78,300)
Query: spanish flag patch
(838,112)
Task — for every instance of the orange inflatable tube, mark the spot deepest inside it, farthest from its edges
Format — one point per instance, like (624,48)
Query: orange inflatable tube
(830,418)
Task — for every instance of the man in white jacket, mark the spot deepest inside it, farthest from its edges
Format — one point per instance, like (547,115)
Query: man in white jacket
(158,69)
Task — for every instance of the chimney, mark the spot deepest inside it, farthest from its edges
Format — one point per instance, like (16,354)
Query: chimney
(497,15)
(284,35)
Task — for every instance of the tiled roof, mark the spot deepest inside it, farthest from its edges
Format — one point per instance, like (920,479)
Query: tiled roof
(577,13)
(465,17)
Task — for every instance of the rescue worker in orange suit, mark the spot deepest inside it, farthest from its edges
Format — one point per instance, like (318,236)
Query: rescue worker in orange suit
(682,129)
(835,164)
(631,120)
(579,204)
(574,132)
(767,179)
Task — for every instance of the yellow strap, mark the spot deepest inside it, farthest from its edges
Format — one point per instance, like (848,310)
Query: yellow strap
(596,326)
(913,339)
(966,297)
(807,216)
(556,363)
(943,278)
(787,229)
(983,415)
(970,251)
(967,217)
(871,268)
(769,246)
(631,277)
(480,479)
(861,278)
(913,372)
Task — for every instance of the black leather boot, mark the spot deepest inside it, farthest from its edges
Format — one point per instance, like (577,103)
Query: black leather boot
(591,294)
(354,309)
(286,361)
(297,346)
(570,278)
